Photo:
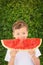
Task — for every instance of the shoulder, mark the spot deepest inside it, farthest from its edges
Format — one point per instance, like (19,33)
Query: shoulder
(7,52)
(37,52)
(7,56)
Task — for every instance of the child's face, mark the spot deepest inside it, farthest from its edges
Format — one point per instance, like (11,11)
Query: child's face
(20,33)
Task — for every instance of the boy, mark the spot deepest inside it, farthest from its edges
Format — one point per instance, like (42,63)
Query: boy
(21,57)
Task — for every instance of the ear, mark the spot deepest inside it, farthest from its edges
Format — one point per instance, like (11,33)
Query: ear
(13,34)
(27,33)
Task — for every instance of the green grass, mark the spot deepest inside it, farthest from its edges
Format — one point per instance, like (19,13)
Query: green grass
(31,11)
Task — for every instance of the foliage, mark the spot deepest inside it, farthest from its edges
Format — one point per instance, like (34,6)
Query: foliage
(31,11)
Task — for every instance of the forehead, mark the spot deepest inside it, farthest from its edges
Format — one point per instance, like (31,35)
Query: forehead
(23,29)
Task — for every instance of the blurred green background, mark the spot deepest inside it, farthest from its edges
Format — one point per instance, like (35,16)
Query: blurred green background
(31,11)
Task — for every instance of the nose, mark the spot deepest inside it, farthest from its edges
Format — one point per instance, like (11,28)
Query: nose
(22,37)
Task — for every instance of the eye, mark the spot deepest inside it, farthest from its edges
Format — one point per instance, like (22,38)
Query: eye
(23,32)
(17,33)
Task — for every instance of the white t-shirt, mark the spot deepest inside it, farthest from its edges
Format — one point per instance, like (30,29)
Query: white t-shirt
(22,57)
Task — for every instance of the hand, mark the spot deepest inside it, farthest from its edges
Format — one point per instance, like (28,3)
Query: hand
(32,52)
(13,52)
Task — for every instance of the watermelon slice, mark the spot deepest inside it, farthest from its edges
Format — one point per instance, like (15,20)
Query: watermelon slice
(28,43)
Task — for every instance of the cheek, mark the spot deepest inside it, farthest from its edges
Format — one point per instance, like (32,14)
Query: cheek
(26,35)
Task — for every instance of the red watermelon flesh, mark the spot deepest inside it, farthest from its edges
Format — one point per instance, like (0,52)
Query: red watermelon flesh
(28,43)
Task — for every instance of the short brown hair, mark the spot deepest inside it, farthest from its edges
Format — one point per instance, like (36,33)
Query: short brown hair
(19,24)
